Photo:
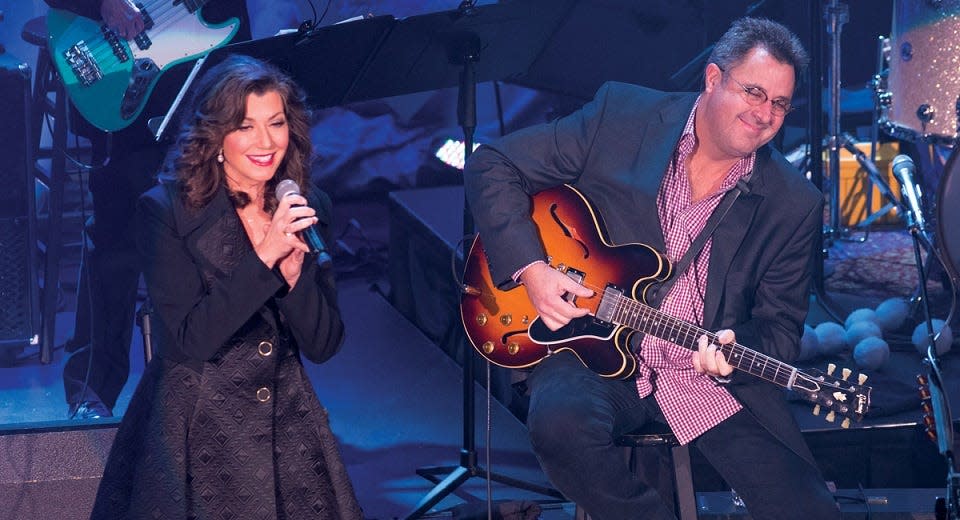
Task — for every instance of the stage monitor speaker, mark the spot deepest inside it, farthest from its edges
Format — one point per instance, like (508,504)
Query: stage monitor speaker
(52,470)
(19,310)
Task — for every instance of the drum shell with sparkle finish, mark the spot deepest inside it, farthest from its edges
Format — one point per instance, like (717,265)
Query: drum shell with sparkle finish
(924,71)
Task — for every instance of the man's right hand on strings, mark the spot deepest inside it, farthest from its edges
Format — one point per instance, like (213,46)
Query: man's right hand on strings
(123,17)
(546,288)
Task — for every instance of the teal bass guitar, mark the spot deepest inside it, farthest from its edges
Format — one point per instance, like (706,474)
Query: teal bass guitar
(109,79)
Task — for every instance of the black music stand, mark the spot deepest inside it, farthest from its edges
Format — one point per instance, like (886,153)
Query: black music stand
(383,57)
(461,48)
(326,62)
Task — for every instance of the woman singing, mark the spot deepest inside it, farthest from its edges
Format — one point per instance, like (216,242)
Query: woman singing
(225,422)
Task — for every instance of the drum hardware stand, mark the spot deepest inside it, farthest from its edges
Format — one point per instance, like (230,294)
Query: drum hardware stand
(836,14)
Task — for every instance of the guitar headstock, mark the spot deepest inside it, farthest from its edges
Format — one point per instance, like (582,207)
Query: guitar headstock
(839,396)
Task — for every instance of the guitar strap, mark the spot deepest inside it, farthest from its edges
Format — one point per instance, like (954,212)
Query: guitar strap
(729,198)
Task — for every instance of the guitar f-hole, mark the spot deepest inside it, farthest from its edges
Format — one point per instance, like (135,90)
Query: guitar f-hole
(570,232)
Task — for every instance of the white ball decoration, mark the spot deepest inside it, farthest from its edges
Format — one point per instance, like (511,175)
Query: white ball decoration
(809,344)
(892,313)
(921,341)
(831,338)
(860,315)
(859,330)
(871,353)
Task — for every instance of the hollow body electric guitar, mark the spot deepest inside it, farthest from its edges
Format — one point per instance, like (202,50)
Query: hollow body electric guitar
(109,79)
(504,327)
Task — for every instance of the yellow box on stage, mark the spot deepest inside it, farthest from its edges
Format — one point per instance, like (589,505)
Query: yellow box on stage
(855,183)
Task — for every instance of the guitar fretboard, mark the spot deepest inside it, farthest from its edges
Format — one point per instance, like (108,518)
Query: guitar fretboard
(619,309)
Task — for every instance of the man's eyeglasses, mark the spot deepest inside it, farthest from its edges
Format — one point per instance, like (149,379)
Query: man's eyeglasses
(756,96)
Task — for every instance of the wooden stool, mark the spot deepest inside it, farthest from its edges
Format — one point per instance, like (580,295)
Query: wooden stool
(656,434)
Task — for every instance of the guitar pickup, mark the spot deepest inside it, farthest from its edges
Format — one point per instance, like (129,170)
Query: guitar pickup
(116,44)
(142,40)
(608,303)
(576,276)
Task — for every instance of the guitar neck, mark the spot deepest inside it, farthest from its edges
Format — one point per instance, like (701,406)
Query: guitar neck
(619,309)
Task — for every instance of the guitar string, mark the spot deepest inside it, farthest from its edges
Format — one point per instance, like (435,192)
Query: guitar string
(628,307)
(686,335)
(163,17)
(660,324)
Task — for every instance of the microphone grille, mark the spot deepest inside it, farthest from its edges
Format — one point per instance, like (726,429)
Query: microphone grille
(287,187)
(902,161)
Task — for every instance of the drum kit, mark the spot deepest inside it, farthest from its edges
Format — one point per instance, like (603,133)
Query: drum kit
(917,101)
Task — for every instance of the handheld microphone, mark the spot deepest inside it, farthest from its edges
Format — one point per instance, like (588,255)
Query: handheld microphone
(309,235)
(903,169)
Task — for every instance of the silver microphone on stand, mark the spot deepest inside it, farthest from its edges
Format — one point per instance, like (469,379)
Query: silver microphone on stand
(903,170)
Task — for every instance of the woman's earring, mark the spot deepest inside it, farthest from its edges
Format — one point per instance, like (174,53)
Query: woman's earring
(220,156)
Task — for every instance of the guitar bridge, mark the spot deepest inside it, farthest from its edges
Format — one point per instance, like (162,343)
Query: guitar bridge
(83,64)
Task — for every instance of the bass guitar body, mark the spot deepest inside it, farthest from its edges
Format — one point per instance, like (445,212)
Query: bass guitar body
(109,79)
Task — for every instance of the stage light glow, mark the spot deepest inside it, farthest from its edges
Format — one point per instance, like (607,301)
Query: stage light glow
(451,153)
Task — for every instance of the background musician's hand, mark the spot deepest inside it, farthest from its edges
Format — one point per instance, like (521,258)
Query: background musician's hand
(546,287)
(708,359)
(123,17)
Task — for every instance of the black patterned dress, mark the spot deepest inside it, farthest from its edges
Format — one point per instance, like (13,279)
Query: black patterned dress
(232,430)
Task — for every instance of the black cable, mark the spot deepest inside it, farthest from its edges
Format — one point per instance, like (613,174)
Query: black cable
(322,16)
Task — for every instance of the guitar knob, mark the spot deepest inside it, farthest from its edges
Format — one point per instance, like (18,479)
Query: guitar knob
(506,319)
(487,347)
(470,290)
(482,319)
(513,348)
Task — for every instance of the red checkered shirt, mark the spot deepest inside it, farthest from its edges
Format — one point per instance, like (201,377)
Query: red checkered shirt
(692,403)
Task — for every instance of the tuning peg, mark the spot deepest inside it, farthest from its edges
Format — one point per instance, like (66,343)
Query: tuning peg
(861,379)
(929,422)
(924,392)
(831,368)
(831,416)
(922,379)
(932,435)
(816,409)
(926,408)
(845,423)
(846,373)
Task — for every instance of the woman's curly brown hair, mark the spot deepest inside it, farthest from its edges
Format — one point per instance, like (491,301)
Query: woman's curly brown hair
(219,107)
